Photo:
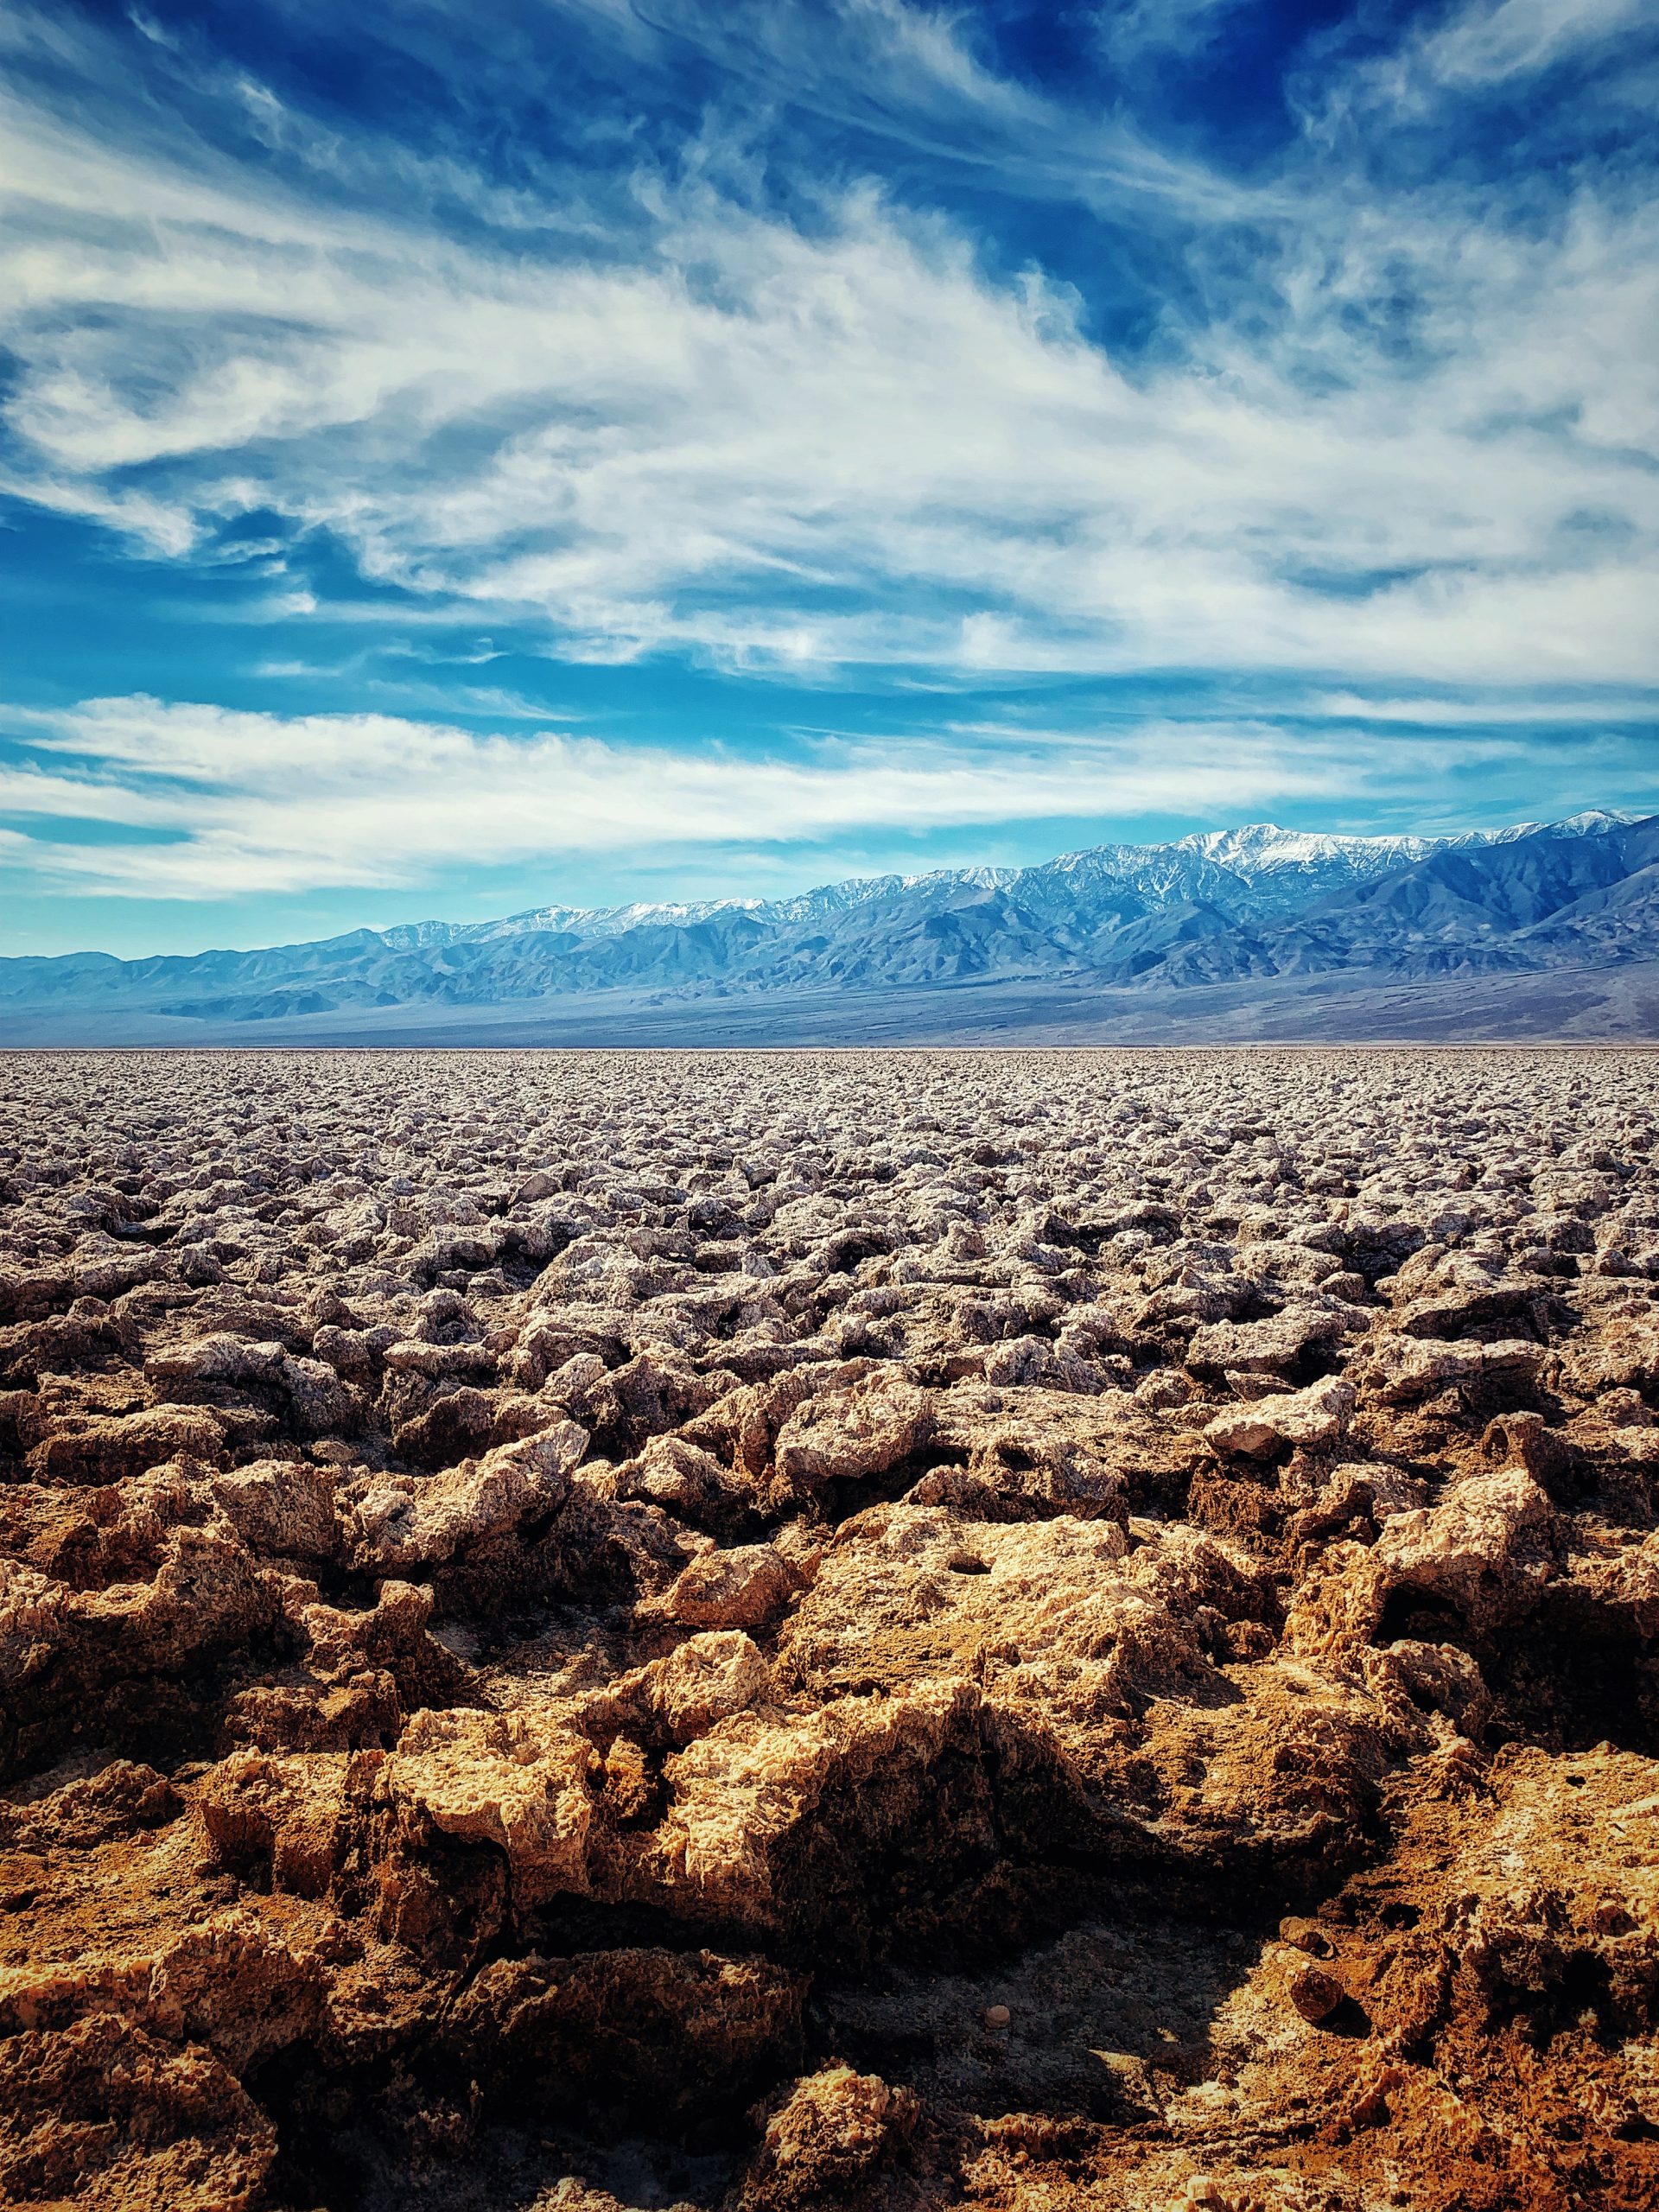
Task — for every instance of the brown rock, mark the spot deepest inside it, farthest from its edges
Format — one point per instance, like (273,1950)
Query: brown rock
(835,2130)
(852,1434)
(743,1588)
(1314,1992)
(105,2113)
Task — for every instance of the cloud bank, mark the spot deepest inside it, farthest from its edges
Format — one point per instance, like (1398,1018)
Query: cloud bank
(197,801)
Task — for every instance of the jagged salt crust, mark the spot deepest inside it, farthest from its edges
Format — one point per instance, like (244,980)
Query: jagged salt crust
(788,1631)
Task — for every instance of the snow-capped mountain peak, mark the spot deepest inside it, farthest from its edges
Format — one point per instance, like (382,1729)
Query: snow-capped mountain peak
(1215,907)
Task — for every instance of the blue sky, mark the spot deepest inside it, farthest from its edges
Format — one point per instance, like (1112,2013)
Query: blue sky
(458,458)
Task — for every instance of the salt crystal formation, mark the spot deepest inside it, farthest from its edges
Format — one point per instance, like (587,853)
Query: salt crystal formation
(806,1630)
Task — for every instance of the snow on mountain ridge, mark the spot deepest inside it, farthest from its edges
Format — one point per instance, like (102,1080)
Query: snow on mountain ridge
(1245,855)
(1216,906)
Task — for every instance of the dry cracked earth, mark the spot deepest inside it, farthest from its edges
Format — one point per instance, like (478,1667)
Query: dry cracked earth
(789,1631)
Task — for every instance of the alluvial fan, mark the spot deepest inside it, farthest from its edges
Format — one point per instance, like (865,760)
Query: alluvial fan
(794,1631)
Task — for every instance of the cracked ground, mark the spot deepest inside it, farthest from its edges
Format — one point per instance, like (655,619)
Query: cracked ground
(884,1631)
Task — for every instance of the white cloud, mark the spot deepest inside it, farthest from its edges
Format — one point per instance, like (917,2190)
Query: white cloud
(1494,48)
(1597,710)
(234,803)
(1495,39)
(790,447)
(1128,29)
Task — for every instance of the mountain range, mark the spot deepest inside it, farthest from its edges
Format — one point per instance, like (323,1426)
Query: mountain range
(1258,915)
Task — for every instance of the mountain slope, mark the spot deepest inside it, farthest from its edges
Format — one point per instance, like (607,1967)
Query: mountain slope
(1530,902)
(1232,908)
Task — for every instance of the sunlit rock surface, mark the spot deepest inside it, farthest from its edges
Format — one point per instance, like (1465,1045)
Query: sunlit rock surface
(875,1630)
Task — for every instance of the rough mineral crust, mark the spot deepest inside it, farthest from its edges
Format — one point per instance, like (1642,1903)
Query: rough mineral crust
(883,1632)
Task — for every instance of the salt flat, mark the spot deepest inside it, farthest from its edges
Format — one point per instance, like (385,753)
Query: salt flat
(847,1628)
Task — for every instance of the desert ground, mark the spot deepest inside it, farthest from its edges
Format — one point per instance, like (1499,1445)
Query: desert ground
(775,1630)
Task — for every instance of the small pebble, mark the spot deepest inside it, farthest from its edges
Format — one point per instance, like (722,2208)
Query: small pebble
(1315,1994)
(997,2015)
(1307,1936)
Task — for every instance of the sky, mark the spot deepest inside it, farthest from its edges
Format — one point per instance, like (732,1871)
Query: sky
(461,455)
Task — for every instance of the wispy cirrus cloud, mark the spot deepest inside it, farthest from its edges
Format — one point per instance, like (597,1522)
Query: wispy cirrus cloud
(217,801)
(832,433)
(1596,709)
(1491,40)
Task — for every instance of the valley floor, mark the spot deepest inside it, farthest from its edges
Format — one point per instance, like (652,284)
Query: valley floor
(879,1630)
(1614,1004)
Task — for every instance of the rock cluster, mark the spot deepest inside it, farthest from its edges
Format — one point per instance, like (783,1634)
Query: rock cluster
(828,1631)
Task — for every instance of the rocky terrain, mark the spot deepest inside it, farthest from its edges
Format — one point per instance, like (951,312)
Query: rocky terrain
(1258,932)
(873,1631)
